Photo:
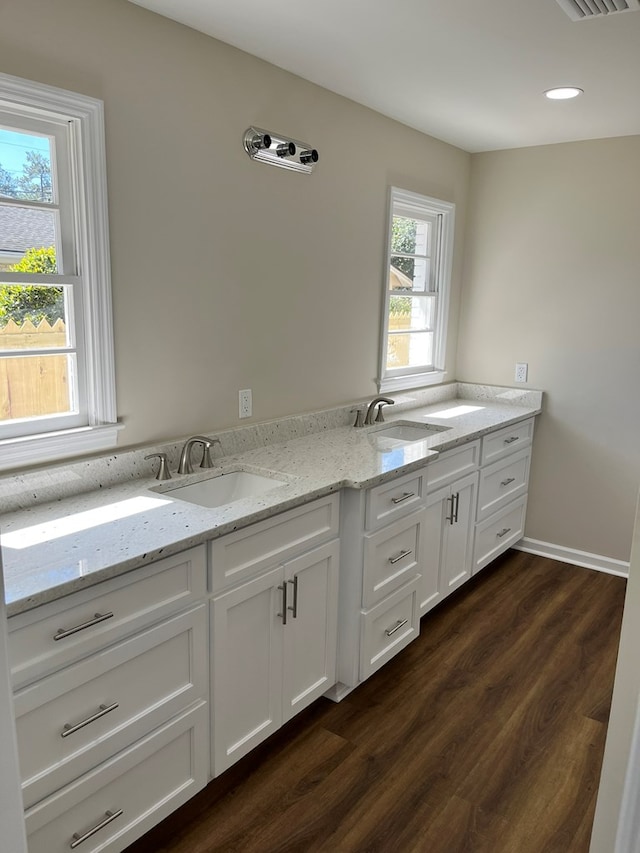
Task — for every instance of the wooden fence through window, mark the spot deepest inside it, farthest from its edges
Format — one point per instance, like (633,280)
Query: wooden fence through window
(33,385)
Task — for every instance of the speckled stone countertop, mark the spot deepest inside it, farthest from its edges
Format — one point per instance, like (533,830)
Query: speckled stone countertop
(63,544)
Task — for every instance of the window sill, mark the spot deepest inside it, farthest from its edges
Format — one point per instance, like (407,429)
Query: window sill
(49,447)
(414,380)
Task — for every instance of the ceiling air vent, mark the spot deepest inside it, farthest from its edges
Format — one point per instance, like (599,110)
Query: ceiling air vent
(584,10)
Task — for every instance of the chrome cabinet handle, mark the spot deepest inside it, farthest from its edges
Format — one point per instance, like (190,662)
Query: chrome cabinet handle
(451,518)
(294,608)
(405,497)
(283,615)
(109,816)
(104,709)
(391,631)
(455,506)
(400,556)
(507,481)
(503,532)
(511,439)
(61,633)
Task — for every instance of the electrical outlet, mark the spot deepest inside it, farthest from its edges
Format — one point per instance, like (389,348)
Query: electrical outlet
(522,370)
(245,403)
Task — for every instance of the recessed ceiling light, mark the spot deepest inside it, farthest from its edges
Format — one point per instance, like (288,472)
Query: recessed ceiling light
(561,93)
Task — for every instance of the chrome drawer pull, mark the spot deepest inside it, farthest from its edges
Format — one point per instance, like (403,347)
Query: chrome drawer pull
(507,481)
(61,633)
(511,439)
(405,497)
(104,709)
(503,532)
(109,816)
(294,609)
(400,556)
(390,631)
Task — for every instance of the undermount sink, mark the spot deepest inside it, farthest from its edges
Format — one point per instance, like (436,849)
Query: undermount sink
(405,433)
(225,488)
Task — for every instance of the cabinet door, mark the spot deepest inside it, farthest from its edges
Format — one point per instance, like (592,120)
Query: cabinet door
(246,667)
(458,552)
(310,635)
(438,505)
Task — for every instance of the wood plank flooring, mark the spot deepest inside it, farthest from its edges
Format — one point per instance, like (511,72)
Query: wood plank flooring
(485,735)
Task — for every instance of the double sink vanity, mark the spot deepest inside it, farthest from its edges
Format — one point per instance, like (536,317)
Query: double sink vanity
(160,629)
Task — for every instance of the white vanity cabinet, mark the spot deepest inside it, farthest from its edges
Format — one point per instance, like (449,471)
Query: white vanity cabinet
(502,494)
(450,514)
(382,550)
(273,624)
(111,705)
(408,543)
(450,519)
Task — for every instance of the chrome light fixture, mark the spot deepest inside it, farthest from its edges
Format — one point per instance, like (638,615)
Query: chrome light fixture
(279,150)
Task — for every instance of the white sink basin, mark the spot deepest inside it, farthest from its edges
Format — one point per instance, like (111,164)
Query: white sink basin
(225,488)
(395,434)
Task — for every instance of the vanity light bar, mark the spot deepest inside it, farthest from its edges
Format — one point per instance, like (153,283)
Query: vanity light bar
(279,150)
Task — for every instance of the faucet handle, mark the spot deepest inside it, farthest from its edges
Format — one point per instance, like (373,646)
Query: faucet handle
(207,461)
(163,471)
(359,421)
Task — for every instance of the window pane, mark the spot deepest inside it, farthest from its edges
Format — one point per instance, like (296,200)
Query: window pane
(410,236)
(36,385)
(410,274)
(25,166)
(27,240)
(410,350)
(32,316)
(407,312)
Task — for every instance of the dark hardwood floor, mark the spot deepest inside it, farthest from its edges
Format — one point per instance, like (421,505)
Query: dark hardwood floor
(485,735)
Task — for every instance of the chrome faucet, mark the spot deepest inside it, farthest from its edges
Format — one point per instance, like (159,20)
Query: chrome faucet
(379,402)
(185,466)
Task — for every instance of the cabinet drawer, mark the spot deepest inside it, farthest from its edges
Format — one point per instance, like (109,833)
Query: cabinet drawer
(391,557)
(499,532)
(388,628)
(108,701)
(452,464)
(504,441)
(393,500)
(59,633)
(123,798)
(502,482)
(239,556)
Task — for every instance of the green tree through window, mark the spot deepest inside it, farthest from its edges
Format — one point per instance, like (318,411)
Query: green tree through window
(33,302)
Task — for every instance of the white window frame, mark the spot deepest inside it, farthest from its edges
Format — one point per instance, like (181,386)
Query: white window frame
(91,277)
(413,205)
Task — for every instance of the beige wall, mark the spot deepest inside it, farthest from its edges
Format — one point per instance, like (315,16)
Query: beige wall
(552,277)
(240,275)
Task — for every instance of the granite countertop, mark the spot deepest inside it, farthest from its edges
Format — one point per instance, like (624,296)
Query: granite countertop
(52,549)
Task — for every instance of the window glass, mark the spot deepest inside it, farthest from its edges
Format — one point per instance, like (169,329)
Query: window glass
(27,240)
(25,166)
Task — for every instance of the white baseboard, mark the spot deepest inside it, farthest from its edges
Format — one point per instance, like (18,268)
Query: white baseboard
(571,555)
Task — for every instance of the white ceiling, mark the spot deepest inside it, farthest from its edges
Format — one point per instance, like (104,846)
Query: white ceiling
(470,72)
